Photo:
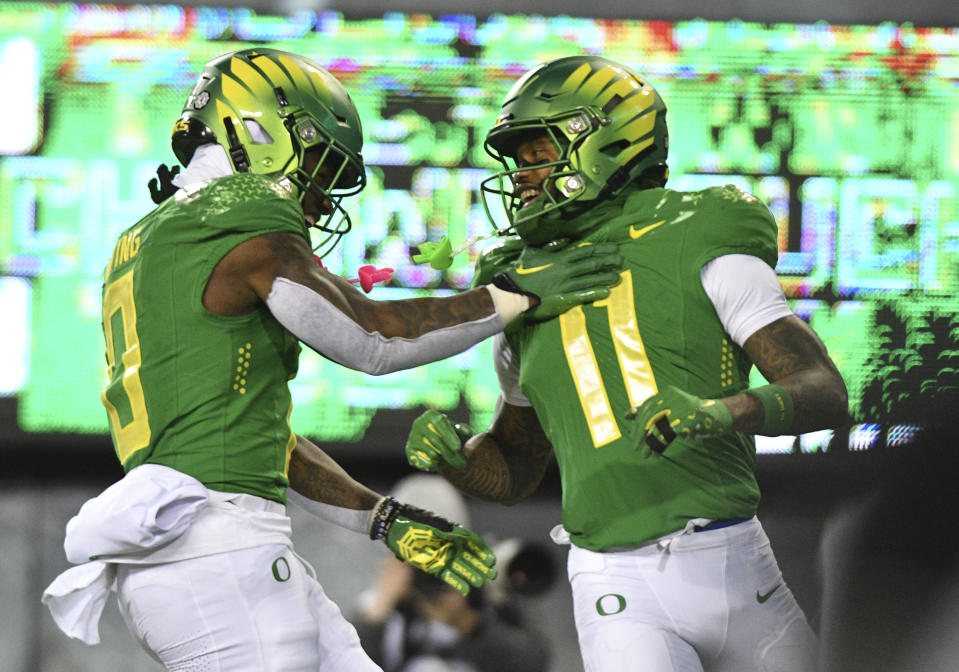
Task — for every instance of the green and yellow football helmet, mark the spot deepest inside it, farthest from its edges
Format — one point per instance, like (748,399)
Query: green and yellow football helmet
(608,124)
(267,108)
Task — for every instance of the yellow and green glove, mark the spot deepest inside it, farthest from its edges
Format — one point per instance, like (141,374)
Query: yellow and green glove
(672,413)
(433,544)
(436,441)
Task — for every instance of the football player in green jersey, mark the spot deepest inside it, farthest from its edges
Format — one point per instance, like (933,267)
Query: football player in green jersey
(205,303)
(643,396)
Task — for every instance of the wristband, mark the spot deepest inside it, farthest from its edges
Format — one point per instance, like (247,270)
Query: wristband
(778,409)
(508,304)
(383,516)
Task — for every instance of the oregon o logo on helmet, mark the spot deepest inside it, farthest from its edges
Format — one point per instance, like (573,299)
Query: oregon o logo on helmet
(610,604)
(281,569)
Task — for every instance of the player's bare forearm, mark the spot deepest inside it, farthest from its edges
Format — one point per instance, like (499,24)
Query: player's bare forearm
(790,354)
(290,257)
(316,475)
(486,474)
(507,463)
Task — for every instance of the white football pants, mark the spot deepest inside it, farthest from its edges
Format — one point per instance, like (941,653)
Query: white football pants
(710,601)
(252,610)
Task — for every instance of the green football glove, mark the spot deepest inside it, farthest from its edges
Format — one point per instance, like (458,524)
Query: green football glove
(496,258)
(562,278)
(434,545)
(161,187)
(673,413)
(435,441)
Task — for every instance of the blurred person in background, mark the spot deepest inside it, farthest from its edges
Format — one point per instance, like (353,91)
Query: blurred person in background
(411,622)
(888,561)
(205,303)
(644,396)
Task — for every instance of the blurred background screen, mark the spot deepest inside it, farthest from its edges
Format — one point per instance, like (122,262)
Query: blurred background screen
(850,134)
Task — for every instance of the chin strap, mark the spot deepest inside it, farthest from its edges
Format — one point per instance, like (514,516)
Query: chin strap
(237,154)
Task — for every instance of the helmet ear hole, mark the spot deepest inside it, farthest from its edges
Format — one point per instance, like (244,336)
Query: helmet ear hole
(257,132)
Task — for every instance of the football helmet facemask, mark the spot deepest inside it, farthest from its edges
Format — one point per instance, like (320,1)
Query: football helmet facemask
(269,109)
(608,125)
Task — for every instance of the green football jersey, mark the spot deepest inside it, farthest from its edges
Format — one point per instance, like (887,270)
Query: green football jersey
(203,394)
(583,370)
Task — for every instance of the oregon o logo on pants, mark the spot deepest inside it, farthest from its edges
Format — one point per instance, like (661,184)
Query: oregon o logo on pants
(610,604)
(281,569)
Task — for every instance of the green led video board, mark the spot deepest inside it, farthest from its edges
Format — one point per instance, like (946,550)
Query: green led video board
(849,133)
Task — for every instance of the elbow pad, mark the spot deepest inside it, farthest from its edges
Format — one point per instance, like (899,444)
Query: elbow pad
(319,324)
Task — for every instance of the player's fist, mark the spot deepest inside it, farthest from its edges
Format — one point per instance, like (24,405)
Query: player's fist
(672,413)
(435,441)
(434,545)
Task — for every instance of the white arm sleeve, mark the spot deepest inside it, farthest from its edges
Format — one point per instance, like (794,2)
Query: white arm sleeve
(506,364)
(745,292)
(317,322)
(357,520)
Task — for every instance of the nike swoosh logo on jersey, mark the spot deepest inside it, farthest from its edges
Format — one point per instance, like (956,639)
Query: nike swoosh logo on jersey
(636,233)
(762,597)
(526,271)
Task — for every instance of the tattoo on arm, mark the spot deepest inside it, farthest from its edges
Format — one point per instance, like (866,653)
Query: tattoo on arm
(789,353)
(778,349)
(507,463)
(315,475)
(407,318)
(411,318)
